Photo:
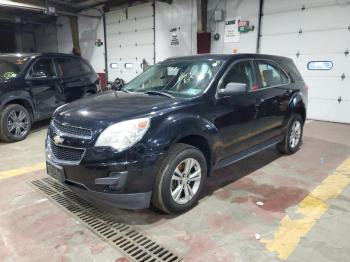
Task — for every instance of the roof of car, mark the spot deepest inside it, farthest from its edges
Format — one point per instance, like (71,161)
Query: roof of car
(225,57)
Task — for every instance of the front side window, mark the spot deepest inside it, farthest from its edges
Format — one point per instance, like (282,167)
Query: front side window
(271,75)
(241,72)
(178,78)
(43,68)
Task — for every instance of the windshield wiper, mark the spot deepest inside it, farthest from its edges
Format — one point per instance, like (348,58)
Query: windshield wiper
(160,93)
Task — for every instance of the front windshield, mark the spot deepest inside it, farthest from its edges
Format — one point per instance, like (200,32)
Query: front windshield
(177,78)
(11,66)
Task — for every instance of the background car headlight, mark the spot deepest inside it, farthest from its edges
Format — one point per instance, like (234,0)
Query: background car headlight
(124,134)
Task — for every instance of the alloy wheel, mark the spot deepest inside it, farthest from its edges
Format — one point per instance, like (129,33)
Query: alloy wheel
(18,123)
(295,134)
(185,181)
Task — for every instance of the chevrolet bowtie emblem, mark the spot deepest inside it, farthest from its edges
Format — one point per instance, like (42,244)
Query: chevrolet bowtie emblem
(58,140)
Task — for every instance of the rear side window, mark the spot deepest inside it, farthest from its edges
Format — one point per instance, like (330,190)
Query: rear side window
(271,75)
(68,67)
(241,72)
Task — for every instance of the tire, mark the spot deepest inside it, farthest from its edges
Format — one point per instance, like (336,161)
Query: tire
(169,191)
(293,138)
(14,113)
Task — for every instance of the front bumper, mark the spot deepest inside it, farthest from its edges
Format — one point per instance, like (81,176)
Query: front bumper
(118,179)
(128,201)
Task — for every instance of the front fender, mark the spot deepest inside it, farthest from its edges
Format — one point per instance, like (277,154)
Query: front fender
(173,128)
(15,95)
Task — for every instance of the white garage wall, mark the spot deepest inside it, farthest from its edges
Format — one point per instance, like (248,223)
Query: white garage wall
(89,30)
(64,35)
(246,10)
(46,38)
(180,14)
(313,31)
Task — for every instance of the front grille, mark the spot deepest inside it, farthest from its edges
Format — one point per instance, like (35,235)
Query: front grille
(72,130)
(66,154)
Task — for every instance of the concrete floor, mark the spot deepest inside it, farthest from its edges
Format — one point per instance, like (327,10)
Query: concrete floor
(304,216)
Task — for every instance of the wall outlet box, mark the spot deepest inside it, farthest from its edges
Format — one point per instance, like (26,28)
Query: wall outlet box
(218,15)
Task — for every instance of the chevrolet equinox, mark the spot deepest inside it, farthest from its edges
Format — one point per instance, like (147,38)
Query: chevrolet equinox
(157,139)
(32,86)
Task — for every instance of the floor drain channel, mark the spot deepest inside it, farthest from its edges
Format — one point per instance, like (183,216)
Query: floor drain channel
(124,237)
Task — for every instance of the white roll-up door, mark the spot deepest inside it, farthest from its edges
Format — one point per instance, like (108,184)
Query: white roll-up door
(309,31)
(130,40)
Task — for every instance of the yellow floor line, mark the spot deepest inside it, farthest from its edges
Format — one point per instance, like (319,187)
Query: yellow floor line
(287,237)
(21,171)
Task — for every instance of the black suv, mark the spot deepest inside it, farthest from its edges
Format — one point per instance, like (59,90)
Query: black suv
(32,86)
(159,137)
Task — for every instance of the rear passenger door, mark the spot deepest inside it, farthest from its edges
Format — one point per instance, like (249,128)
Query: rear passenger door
(274,95)
(74,79)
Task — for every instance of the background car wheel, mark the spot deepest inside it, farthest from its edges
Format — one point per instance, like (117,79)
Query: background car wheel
(180,179)
(294,135)
(15,123)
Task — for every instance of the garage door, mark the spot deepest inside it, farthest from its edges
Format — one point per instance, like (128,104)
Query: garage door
(310,31)
(130,39)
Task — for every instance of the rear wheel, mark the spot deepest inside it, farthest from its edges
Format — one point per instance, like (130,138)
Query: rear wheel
(180,179)
(15,123)
(293,138)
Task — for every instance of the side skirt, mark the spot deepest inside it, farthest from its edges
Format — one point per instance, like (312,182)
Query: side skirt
(249,152)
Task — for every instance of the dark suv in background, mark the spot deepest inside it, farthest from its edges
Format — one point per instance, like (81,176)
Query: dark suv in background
(32,86)
(159,137)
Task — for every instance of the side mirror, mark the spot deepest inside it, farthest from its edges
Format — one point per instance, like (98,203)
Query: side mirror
(232,89)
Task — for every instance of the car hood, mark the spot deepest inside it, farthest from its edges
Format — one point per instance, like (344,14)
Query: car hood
(102,110)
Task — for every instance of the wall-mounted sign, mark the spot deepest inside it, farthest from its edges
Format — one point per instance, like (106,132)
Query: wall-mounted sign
(244,27)
(175,37)
(232,34)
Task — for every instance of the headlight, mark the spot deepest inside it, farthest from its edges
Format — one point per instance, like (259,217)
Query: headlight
(124,134)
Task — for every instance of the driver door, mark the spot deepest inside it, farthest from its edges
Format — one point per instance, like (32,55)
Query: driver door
(239,118)
(45,86)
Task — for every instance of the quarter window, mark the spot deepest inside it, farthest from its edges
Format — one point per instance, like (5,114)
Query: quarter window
(241,72)
(271,75)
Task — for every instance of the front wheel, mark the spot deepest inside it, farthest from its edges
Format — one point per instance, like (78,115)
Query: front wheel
(293,137)
(15,123)
(180,179)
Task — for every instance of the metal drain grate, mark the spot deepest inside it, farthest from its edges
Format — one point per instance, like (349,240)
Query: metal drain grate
(125,238)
